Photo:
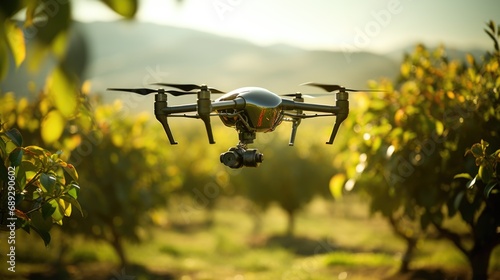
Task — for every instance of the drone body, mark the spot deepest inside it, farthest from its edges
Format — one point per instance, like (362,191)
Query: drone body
(262,111)
(249,110)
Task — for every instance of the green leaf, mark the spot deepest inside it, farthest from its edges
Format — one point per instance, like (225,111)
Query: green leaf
(45,235)
(52,127)
(458,199)
(4,57)
(73,202)
(495,41)
(47,210)
(439,128)
(15,136)
(57,21)
(126,8)
(63,91)
(58,213)
(40,222)
(485,173)
(19,198)
(471,183)
(15,39)
(48,182)
(70,169)
(65,206)
(463,175)
(336,185)
(16,157)
(73,191)
(489,187)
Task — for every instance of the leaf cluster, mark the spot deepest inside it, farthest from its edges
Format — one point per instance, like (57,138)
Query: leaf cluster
(48,24)
(46,187)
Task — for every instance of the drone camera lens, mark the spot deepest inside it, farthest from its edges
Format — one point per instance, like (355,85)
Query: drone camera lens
(231,159)
(238,157)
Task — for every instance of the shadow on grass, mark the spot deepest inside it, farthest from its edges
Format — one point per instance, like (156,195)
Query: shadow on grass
(358,259)
(190,227)
(430,274)
(305,246)
(299,245)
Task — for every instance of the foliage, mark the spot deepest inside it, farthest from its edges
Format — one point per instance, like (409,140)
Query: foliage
(48,24)
(44,186)
(124,171)
(57,119)
(411,139)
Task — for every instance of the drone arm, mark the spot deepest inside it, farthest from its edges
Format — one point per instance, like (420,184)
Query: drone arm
(238,104)
(295,125)
(292,105)
(343,105)
(163,120)
(204,107)
(160,105)
(341,110)
(179,109)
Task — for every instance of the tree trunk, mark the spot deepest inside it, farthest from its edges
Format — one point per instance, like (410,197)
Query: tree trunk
(118,246)
(479,259)
(63,250)
(411,245)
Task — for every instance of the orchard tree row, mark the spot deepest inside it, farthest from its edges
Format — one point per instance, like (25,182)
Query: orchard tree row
(429,150)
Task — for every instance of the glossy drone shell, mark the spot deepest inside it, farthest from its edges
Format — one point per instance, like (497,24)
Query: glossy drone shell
(262,111)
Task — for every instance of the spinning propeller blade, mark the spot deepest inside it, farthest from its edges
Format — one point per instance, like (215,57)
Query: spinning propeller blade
(187,87)
(141,91)
(332,88)
(298,95)
(146,91)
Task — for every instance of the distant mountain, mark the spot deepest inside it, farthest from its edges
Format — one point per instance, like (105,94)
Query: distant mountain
(123,53)
(136,54)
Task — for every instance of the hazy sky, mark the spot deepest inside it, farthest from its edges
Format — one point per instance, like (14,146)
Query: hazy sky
(376,25)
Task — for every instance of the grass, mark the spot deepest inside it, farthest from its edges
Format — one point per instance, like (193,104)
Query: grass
(367,259)
(333,241)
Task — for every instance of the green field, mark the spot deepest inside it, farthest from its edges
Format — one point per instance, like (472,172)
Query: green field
(333,240)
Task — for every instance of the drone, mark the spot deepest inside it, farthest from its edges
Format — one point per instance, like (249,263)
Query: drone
(249,110)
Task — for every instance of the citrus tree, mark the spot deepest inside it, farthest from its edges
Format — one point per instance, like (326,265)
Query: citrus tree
(46,184)
(411,141)
(478,202)
(37,187)
(125,174)
(58,118)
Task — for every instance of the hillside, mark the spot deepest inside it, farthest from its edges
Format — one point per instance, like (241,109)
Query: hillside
(124,52)
(135,54)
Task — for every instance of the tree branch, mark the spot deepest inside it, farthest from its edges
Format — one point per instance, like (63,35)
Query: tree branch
(453,237)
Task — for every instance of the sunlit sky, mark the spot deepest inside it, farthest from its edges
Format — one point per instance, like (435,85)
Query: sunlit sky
(375,25)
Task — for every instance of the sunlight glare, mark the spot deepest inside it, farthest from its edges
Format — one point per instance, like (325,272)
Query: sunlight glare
(390,151)
(349,185)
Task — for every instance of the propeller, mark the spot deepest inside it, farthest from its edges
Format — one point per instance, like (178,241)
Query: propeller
(188,87)
(342,103)
(332,88)
(146,91)
(298,95)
